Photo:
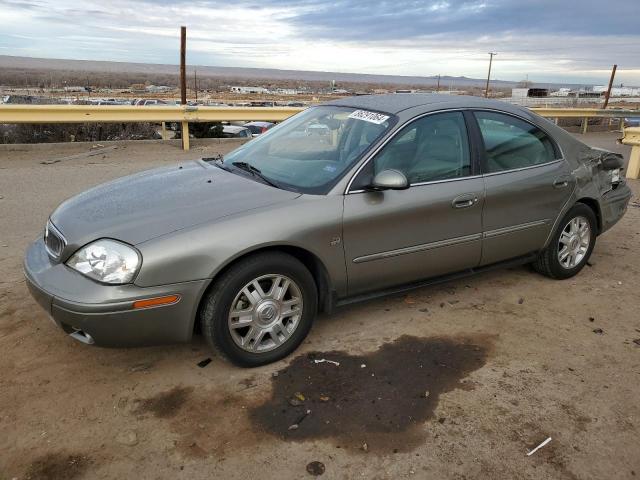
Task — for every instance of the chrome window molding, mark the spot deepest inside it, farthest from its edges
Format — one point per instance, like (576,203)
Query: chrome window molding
(418,248)
(419,184)
(375,151)
(501,172)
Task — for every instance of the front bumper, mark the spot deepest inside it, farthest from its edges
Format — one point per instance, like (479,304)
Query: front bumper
(104,314)
(614,205)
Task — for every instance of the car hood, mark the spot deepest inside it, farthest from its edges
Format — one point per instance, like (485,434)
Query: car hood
(140,207)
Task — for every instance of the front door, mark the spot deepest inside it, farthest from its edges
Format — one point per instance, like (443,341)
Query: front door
(434,227)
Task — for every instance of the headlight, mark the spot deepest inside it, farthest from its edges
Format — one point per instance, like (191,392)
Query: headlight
(106,261)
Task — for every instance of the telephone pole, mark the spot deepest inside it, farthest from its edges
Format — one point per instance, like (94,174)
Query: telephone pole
(183,68)
(486,90)
(608,94)
(195,82)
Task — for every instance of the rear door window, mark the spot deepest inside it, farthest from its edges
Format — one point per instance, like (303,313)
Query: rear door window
(511,143)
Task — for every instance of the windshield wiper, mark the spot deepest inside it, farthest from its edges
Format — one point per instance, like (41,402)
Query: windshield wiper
(255,172)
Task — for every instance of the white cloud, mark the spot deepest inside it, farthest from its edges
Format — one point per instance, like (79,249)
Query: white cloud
(271,35)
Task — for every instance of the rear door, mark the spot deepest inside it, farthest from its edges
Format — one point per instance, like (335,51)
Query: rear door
(527,183)
(432,228)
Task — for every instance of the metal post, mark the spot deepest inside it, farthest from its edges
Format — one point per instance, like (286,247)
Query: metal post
(631,136)
(438,88)
(608,94)
(185,135)
(183,84)
(486,90)
(585,125)
(164,131)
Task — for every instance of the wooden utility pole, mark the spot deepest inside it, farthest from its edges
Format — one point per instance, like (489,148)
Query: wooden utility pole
(438,87)
(486,89)
(608,94)
(195,82)
(183,84)
(183,68)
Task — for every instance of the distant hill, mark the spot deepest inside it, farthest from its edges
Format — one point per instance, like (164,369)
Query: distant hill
(7,61)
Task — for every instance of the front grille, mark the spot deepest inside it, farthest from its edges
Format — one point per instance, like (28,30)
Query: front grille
(53,240)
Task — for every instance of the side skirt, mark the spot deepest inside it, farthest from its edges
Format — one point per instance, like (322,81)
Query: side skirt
(435,280)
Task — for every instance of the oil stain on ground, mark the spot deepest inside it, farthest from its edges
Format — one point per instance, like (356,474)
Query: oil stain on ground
(58,466)
(377,401)
(166,404)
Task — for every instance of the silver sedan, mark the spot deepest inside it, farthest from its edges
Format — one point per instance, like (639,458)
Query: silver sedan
(399,191)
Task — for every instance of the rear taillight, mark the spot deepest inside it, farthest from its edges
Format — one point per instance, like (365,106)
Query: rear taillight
(264,129)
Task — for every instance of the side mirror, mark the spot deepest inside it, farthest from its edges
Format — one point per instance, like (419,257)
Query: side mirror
(390,180)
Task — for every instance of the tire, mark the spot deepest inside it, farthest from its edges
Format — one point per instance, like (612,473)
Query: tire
(549,261)
(246,287)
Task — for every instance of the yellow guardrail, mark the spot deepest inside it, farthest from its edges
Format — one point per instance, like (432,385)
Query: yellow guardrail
(186,113)
(584,113)
(129,113)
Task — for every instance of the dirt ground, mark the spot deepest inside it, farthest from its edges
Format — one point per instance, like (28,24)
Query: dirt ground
(456,381)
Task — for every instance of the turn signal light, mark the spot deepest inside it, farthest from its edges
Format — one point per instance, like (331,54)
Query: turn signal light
(156,302)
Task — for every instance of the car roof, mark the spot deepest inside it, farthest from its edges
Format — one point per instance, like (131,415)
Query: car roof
(397,102)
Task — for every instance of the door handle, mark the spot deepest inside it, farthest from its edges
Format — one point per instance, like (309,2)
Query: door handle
(464,201)
(561,182)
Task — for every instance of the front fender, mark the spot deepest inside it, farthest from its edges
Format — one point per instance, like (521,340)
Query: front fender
(312,223)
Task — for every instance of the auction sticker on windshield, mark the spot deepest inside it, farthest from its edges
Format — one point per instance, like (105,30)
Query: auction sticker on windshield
(372,117)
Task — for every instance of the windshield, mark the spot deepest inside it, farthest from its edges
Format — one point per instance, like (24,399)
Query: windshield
(309,152)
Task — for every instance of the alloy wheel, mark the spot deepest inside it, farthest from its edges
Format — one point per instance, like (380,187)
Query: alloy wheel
(573,243)
(265,313)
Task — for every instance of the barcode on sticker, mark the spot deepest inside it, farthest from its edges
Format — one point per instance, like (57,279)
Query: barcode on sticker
(372,117)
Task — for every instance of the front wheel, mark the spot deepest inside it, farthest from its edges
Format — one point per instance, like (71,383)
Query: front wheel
(261,309)
(571,245)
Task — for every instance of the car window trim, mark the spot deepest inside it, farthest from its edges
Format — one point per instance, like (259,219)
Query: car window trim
(374,152)
(483,149)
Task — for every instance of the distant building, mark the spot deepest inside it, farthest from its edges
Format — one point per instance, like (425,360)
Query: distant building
(249,90)
(563,92)
(75,89)
(529,92)
(618,91)
(286,91)
(158,89)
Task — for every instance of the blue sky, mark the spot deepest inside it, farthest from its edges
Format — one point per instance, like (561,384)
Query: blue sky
(570,40)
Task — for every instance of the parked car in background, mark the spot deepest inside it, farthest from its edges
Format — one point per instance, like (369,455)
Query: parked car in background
(235,131)
(405,190)
(149,102)
(632,122)
(258,128)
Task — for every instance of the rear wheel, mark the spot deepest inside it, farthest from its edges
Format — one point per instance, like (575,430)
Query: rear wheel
(571,245)
(261,309)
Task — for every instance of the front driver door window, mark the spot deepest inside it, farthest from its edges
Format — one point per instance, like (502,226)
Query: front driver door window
(432,148)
